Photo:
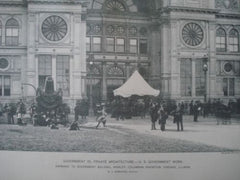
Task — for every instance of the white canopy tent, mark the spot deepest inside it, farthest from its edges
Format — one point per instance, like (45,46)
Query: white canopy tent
(135,85)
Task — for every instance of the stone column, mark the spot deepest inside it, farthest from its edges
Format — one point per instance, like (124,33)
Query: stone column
(212,62)
(193,77)
(30,68)
(104,81)
(155,70)
(54,70)
(165,63)
(78,55)
(175,63)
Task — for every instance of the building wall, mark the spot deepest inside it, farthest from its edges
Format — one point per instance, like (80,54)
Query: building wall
(163,52)
(174,50)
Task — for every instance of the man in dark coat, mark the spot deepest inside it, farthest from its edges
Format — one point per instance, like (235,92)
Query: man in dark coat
(163,118)
(154,114)
(178,117)
(77,110)
(196,110)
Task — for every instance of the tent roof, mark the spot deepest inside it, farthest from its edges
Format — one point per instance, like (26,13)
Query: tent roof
(135,85)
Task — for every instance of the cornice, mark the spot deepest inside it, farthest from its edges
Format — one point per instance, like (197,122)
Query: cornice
(228,15)
(84,3)
(13,3)
(188,9)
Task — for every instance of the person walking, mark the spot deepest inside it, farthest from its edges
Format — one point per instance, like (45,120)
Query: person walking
(102,118)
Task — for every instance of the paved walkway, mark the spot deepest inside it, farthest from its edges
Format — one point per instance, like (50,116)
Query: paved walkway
(204,131)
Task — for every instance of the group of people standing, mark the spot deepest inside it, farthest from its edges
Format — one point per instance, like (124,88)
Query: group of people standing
(159,113)
(12,109)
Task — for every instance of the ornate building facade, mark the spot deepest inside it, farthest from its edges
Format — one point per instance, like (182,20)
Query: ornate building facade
(189,49)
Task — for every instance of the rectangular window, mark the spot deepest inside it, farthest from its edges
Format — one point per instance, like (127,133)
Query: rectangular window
(0,36)
(88,44)
(5,85)
(186,77)
(220,44)
(120,45)
(1,85)
(97,44)
(63,74)
(143,46)
(233,44)
(11,36)
(199,78)
(228,87)
(44,69)
(110,44)
(133,46)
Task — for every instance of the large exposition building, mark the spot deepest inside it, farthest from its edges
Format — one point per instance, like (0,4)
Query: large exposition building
(90,47)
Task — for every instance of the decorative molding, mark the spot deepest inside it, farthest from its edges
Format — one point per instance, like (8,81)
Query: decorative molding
(82,2)
(187,9)
(227,4)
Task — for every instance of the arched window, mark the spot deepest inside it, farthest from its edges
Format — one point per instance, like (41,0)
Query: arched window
(93,70)
(12,32)
(115,6)
(115,71)
(0,33)
(220,40)
(233,41)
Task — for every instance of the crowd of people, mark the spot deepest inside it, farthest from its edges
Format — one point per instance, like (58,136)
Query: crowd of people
(121,109)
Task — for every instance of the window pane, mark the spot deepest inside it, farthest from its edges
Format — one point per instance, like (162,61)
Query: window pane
(110,44)
(231,86)
(14,32)
(220,40)
(133,46)
(200,81)
(88,45)
(1,85)
(143,46)
(186,77)
(8,32)
(96,40)
(63,74)
(120,46)
(235,41)
(96,44)
(7,85)
(44,69)
(120,41)
(225,86)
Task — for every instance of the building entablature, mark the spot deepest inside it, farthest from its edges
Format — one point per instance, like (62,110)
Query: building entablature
(82,2)
(170,9)
(118,58)
(12,3)
(228,56)
(228,16)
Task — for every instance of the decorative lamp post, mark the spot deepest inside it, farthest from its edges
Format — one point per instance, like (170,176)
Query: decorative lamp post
(91,88)
(205,69)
